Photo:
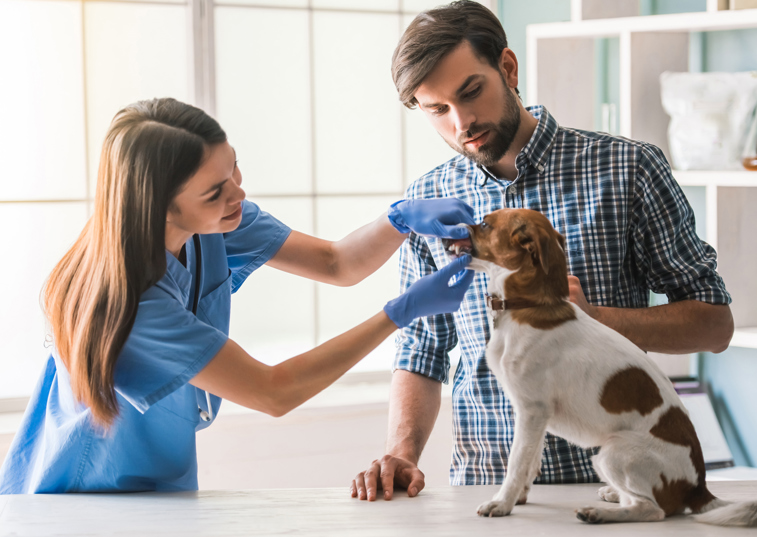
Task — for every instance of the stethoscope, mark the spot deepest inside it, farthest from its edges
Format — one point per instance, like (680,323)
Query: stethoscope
(205,415)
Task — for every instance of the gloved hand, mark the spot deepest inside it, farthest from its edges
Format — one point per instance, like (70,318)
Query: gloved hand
(436,217)
(432,294)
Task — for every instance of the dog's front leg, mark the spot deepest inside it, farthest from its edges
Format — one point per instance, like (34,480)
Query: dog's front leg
(530,427)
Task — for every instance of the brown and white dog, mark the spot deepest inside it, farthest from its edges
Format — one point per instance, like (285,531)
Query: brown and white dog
(570,375)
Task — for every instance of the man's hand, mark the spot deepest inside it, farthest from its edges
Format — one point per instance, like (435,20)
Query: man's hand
(579,299)
(386,473)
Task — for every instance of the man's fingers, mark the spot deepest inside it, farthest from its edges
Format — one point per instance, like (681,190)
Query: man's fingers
(417,482)
(360,487)
(388,467)
(371,481)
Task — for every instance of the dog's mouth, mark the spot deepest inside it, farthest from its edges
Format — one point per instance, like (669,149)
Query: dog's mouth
(458,247)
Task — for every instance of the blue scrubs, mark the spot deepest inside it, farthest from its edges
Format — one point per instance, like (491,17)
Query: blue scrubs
(151,445)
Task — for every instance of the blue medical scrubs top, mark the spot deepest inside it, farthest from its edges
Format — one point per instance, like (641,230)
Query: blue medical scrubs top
(151,445)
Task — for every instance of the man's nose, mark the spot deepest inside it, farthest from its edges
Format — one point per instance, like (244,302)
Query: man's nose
(463,119)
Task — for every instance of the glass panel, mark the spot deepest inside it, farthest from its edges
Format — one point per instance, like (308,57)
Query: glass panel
(357,111)
(424,148)
(342,308)
(54,227)
(263,99)
(382,5)
(272,314)
(133,52)
(269,3)
(42,136)
(420,5)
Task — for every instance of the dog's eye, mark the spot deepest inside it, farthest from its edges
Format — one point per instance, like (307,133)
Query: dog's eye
(484,225)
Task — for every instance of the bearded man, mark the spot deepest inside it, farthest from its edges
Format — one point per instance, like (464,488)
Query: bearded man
(628,228)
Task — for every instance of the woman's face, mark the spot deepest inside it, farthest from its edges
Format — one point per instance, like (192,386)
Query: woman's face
(211,200)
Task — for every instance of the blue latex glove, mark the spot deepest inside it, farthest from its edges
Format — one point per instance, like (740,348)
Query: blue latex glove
(432,294)
(435,217)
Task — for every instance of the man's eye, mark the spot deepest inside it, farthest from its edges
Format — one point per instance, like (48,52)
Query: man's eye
(472,93)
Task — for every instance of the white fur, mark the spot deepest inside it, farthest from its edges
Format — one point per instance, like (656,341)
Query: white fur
(554,379)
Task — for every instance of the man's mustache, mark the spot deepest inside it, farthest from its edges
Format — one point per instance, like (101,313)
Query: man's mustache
(474,132)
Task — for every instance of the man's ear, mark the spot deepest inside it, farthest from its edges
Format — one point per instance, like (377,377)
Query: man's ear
(536,242)
(508,66)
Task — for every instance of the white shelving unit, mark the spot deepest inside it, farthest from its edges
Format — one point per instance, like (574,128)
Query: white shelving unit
(561,75)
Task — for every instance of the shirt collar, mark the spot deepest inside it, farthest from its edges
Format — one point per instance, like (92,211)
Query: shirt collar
(537,150)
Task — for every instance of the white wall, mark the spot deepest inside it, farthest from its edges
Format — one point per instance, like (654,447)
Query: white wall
(303,90)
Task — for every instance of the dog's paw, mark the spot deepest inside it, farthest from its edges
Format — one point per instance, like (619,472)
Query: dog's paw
(493,509)
(589,515)
(609,494)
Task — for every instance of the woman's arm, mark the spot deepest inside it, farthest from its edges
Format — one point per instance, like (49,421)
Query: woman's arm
(344,262)
(234,375)
(359,254)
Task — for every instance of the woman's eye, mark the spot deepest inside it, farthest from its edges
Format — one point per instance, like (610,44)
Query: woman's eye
(215,196)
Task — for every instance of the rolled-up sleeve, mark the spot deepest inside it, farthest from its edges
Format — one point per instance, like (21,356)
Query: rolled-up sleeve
(423,346)
(669,255)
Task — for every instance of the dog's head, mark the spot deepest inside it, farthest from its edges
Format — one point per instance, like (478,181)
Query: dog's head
(516,240)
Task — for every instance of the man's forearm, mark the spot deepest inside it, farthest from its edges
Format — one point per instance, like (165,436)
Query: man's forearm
(413,408)
(677,328)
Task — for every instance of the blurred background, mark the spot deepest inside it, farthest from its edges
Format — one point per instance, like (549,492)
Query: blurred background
(304,92)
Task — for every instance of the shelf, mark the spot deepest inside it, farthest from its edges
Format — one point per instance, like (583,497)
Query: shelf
(745,338)
(735,178)
(680,22)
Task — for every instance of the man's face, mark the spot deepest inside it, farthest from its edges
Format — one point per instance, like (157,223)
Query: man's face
(470,105)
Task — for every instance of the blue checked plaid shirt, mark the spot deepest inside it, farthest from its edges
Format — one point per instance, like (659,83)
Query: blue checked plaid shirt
(628,229)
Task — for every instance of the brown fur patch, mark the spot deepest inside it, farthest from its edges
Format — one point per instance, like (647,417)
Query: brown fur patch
(674,426)
(524,240)
(630,389)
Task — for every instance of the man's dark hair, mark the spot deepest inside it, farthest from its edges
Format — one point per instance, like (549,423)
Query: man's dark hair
(435,33)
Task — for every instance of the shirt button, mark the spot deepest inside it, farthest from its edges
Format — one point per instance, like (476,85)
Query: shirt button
(512,189)
(540,168)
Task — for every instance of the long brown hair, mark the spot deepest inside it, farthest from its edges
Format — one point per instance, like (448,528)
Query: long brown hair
(91,297)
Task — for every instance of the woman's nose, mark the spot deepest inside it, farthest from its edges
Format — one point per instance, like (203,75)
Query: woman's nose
(239,193)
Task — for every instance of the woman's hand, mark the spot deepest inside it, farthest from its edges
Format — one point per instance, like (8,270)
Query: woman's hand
(432,294)
(433,217)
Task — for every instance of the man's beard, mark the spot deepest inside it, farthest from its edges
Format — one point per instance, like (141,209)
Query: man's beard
(501,134)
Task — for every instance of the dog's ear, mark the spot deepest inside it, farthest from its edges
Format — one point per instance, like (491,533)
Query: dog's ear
(560,240)
(536,242)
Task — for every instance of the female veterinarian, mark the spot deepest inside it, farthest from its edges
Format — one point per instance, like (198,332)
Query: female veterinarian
(139,309)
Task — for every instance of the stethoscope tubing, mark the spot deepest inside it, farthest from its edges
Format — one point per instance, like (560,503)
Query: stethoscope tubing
(204,415)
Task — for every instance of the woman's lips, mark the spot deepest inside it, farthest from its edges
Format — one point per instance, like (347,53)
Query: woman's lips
(233,216)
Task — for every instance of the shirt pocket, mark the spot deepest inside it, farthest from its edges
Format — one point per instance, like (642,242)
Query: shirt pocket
(215,307)
(591,238)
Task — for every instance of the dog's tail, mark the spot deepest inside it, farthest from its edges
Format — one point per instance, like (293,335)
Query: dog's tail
(722,513)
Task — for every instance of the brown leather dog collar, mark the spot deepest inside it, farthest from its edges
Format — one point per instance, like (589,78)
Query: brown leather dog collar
(499,304)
